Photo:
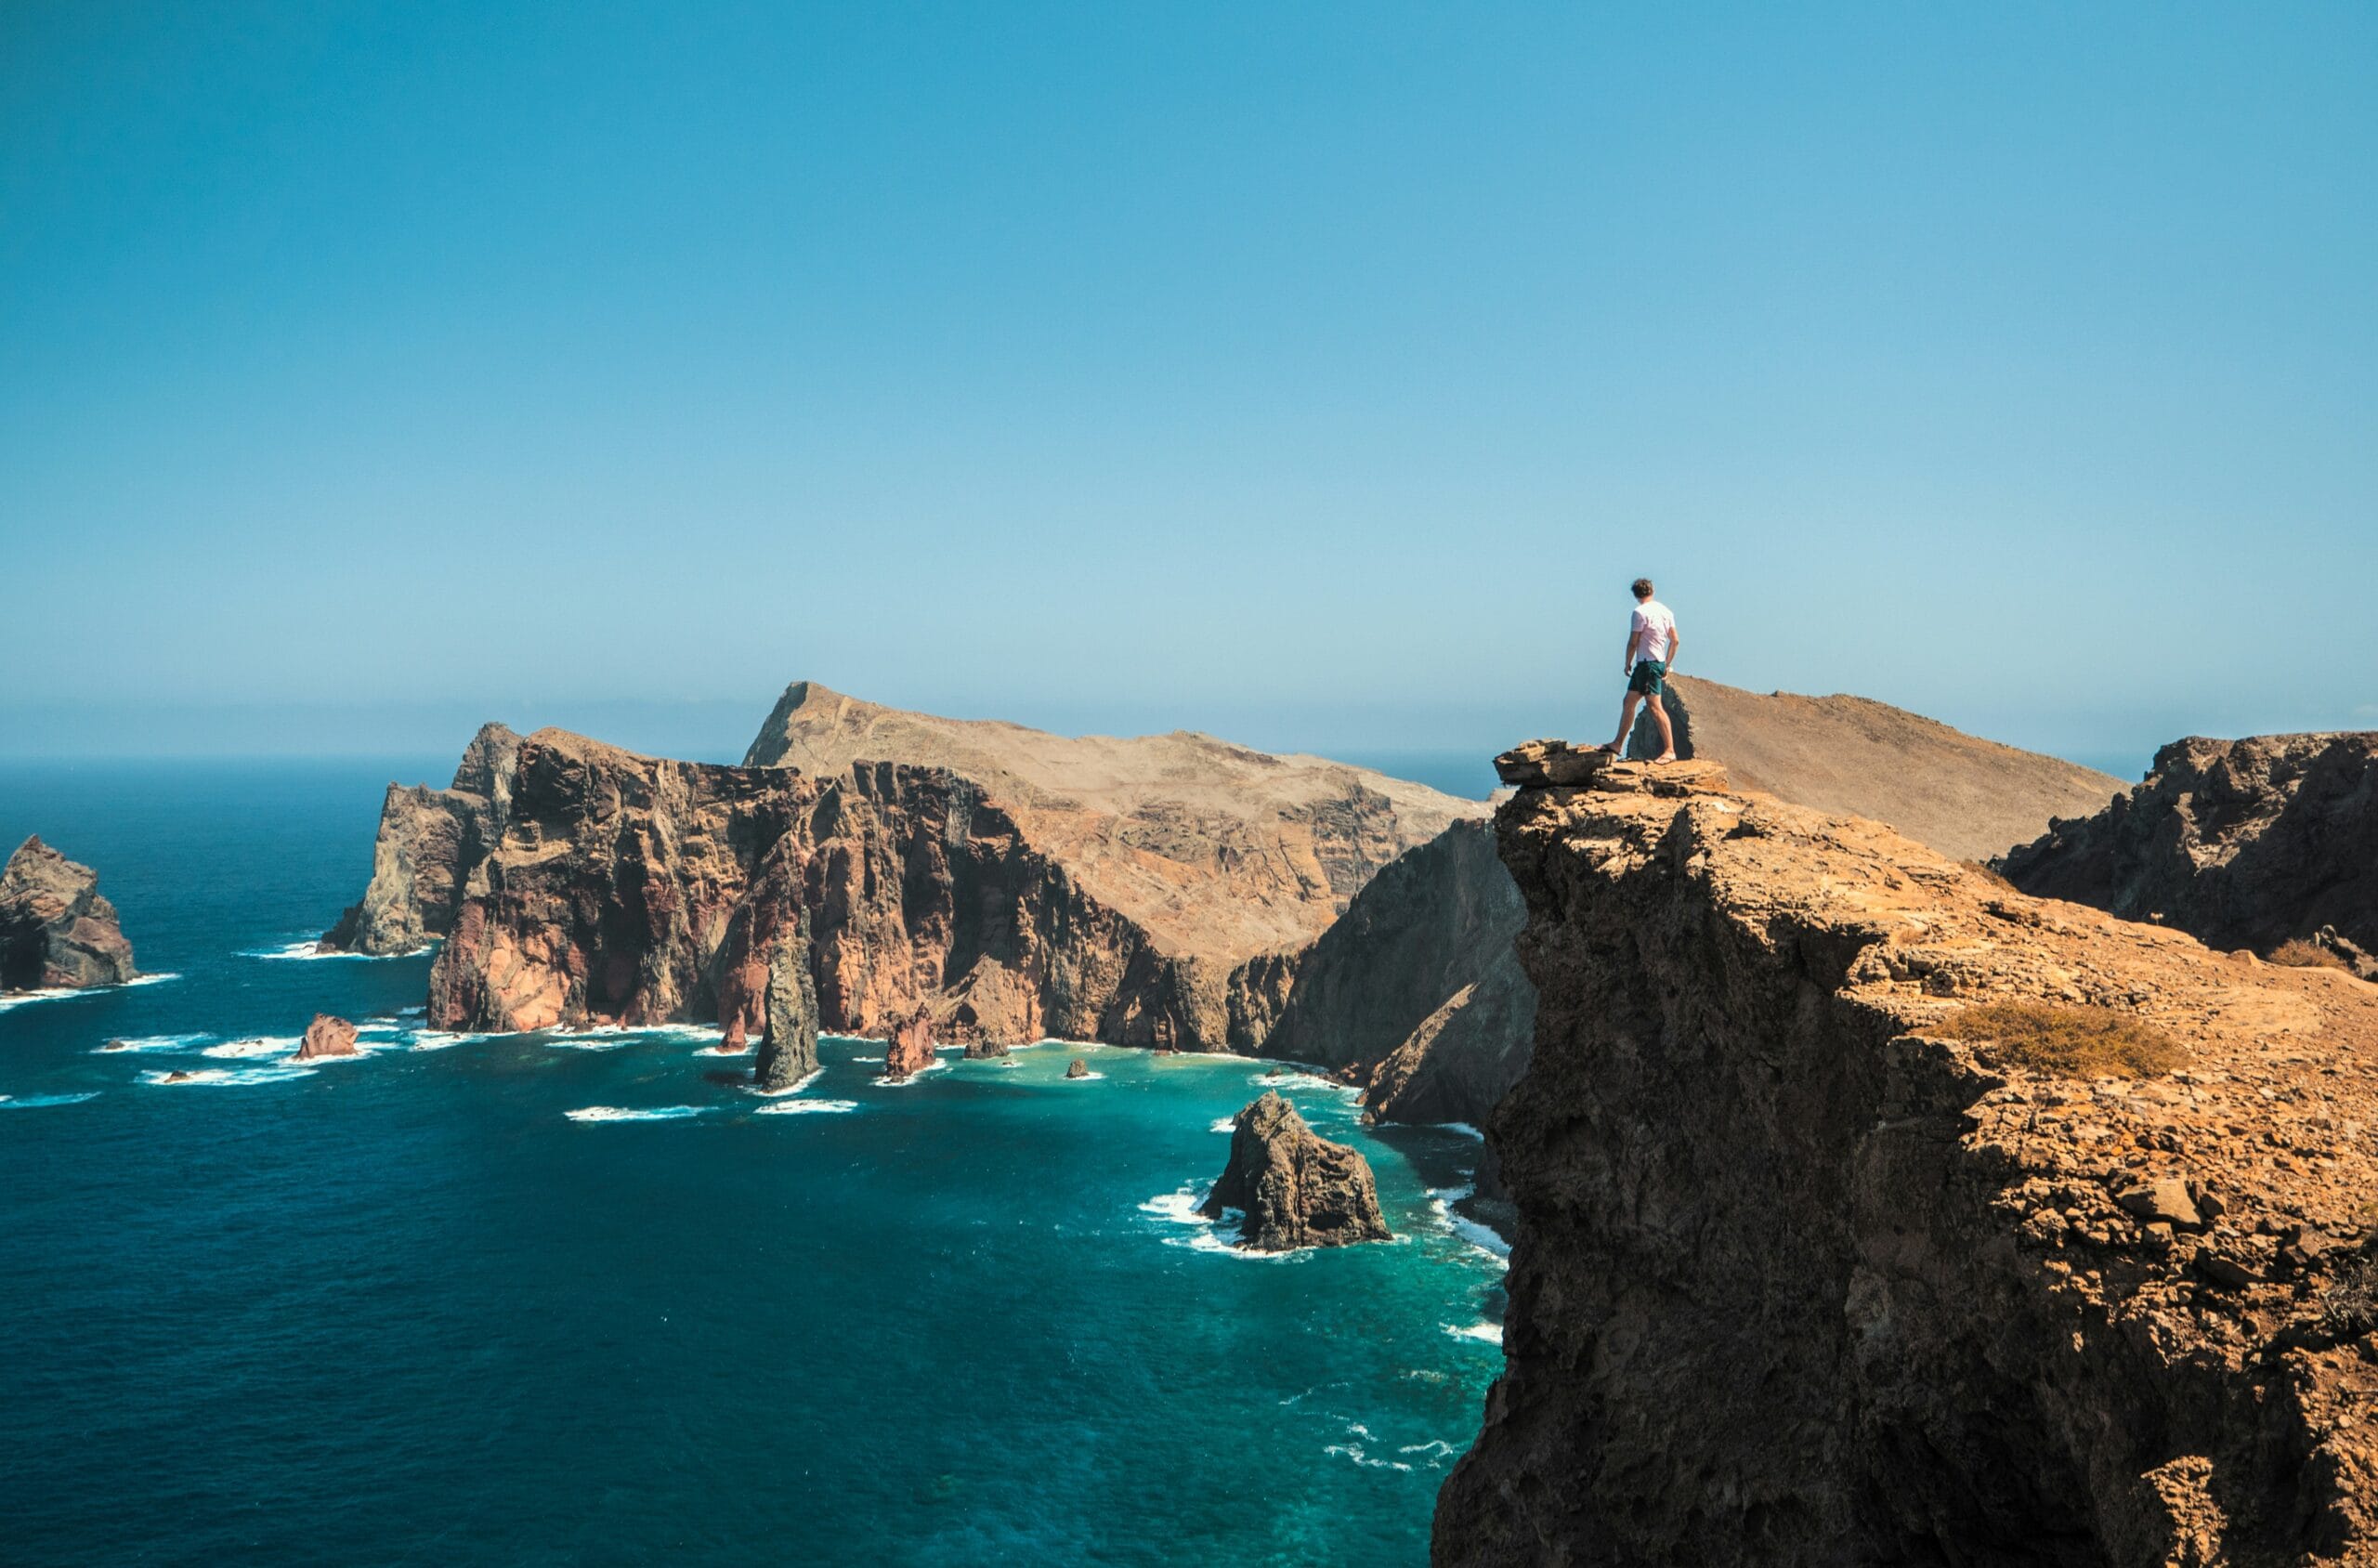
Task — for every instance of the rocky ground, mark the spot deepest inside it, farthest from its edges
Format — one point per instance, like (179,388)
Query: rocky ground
(56,931)
(1799,1278)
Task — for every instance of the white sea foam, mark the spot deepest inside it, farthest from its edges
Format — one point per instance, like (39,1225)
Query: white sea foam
(36,1102)
(228,1078)
(794,1087)
(620,1113)
(1179,1206)
(1353,1451)
(149,1042)
(723,1049)
(68,993)
(439,1039)
(1463,1128)
(1082,1077)
(1486,1333)
(902,1083)
(1224,1124)
(584,1042)
(1294,1079)
(262,1045)
(807,1107)
(1485,1238)
(306,949)
(1436,1447)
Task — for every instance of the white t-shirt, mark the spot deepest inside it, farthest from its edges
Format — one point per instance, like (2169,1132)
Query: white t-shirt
(1651,619)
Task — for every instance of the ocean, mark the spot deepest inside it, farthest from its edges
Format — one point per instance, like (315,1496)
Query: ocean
(549,1299)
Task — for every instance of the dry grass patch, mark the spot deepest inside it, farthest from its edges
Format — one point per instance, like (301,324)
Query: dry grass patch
(2296,953)
(2067,1041)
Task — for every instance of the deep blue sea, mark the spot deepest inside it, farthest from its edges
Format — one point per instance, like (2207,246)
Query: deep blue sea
(532,1300)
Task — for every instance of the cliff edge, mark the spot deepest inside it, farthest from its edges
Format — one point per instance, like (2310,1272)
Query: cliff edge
(1800,1277)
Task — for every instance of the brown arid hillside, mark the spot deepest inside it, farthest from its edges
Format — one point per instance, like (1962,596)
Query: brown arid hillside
(1967,797)
(1214,850)
(1872,1211)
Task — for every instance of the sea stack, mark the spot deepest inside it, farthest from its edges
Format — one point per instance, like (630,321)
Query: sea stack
(1295,1188)
(789,1045)
(56,931)
(1076,1068)
(910,1050)
(327,1035)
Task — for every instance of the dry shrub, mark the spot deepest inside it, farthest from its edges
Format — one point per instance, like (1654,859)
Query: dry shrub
(2296,953)
(1991,875)
(2067,1041)
(2350,1306)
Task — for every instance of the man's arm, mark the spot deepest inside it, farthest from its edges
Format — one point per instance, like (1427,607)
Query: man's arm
(1675,646)
(1634,635)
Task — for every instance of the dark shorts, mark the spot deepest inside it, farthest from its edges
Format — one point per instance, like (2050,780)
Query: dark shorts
(1647,676)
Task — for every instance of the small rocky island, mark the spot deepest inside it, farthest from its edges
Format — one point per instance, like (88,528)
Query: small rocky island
(327,1035)
(1295,1189)
(56,931)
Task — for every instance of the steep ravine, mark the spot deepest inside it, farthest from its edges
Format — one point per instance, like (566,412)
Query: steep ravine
(1796,1282)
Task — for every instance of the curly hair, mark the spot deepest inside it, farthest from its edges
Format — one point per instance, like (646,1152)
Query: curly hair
(1642,587)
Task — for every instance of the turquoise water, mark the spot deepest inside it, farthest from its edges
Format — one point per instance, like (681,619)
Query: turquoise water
(408,1309)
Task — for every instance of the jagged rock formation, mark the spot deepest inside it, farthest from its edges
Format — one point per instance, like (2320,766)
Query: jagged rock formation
(910,1050)
(1965,796)
(327,1035)
(56,931)
(2243,843)
(1799,1280)
(637,890)
(789,1045)
(1416,987)
(1076,1068)
(1295,1188)
(1217,852)
(428,842)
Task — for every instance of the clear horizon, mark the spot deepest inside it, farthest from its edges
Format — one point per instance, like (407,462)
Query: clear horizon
(1314,377)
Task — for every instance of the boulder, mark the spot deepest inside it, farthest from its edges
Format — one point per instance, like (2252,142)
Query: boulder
(327,1035)
(1295,1189)
(56,931)
(1076,1068)
(910,1050)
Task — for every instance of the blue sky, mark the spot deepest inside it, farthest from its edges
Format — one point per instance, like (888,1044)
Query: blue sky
(1312,374)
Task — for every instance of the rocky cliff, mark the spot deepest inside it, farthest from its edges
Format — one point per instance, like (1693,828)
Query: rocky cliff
(1806,1271)
(638,890)
(1295,1188)
(56,931)
(1216,851)
(428,842)
(2245,844)
(1415,987)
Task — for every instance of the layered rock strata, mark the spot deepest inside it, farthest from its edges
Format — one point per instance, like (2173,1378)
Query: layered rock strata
(429,843)
(56,931)
(1416,990)
(637,890)
(2244,843)
(1797,1280)
(1294,1187)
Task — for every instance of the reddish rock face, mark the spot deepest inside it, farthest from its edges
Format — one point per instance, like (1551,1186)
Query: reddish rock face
(910,1050)
(636,890)
(1799,1280)
(327,1035)
(55,929)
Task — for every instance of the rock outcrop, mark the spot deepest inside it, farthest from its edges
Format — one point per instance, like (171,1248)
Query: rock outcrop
(1806,1272)
(637,890)
(1295,1188)
(1415,987)
(327,1035)
(910,1050)
(2243,843)
(1076,1068)
(788,1019)
(56,931)
(429,842)
(1965,796)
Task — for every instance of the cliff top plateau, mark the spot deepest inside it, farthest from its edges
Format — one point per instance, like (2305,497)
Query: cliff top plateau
(1213,849)
(1967,797)
(1821,1257)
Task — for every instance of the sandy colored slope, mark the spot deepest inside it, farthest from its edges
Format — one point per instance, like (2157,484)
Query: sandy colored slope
(1955,793)
(1212,848)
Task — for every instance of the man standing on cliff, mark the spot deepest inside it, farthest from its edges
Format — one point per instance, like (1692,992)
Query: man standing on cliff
(1651,643)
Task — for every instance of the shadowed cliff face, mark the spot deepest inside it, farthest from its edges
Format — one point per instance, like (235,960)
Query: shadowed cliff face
(429,840)
(1415,987)
(2244,843)
(1797,1281)
(637,890)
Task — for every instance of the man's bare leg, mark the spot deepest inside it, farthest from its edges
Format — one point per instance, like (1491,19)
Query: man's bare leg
(1625,724)
(1668,731)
